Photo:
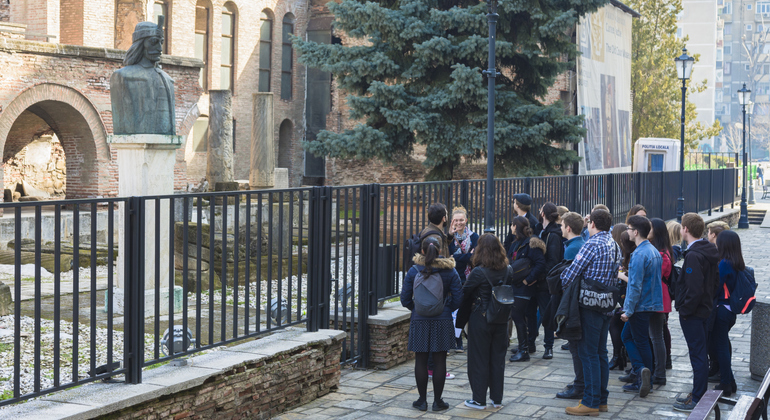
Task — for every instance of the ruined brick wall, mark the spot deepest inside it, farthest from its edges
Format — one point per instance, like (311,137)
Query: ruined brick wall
(258,390)
(46,172)
(88,23)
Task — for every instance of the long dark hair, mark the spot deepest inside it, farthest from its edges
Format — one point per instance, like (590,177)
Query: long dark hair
(430,248)
(618,230)
(660,239)
(729,246)
(627,246)
(489,253)
(550,212)
(523,231)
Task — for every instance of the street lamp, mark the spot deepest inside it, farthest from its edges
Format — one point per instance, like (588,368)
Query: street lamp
(750,112)
(491,73)
(683,69)
(743,100)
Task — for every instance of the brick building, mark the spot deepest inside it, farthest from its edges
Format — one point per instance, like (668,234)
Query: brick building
(57,57)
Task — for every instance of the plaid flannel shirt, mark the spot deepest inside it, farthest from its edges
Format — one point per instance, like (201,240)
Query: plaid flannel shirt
(598,259)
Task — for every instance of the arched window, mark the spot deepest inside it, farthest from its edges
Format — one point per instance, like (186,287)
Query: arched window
(287,57)
(202,40)
(227,67)
(265,50)
(284,144)
(160,8)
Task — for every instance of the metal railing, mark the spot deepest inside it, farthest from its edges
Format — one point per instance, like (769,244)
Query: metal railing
(197,271)
(711,160)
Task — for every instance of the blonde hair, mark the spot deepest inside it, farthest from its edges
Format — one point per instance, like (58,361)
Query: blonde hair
(562,210)
(459,209)
(717,227)
(674,232)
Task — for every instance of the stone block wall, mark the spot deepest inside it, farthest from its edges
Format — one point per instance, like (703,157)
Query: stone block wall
(40,163)
(389,337)
(5,11)
(253,390)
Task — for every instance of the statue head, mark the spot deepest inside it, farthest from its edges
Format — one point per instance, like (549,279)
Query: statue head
(147,44)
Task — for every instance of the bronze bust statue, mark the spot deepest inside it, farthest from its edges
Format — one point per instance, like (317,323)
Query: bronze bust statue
(142,94)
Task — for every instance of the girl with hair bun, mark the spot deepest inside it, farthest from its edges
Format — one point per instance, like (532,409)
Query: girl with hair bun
(435,335)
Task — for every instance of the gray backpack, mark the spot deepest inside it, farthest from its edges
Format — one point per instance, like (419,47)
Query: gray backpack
(428,292)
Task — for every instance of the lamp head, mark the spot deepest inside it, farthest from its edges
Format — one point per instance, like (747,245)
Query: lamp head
(743,95)
(684,65)
(750,108)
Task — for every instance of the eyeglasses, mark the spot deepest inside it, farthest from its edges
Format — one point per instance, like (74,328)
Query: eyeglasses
(630,228)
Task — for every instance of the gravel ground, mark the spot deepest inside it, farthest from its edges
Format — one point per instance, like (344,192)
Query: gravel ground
(27,361)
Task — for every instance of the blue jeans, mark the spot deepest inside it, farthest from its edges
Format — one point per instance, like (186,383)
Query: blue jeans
(592,350)
(694,330)
(636,338)
(724,321)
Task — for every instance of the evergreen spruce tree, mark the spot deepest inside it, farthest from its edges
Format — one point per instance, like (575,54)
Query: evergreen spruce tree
(416,77)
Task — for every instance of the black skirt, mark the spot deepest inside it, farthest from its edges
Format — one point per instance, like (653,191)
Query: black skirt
(431,335)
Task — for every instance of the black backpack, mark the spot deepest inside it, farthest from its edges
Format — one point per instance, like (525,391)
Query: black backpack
(411,247)
(500,301)
(676,273)
(742,298)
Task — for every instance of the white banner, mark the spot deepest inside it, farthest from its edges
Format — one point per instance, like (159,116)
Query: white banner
(604,90)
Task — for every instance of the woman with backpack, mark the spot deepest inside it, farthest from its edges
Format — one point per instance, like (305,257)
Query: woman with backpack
(526,254)
(731,267)
(431,283)
(488,324)
(659,333)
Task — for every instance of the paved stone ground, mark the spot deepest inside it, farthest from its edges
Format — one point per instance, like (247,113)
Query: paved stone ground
(530,387)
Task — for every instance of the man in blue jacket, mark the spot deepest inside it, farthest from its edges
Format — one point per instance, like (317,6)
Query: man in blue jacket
(644,296)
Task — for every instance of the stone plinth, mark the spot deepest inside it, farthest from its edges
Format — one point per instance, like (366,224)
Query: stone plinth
(220,137)
(281,178)
(6,301)
(145,168)
(261,173)
(760,340)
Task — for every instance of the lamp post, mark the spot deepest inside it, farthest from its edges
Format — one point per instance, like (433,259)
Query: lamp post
(491,73)
(683,69)
(750,112)
(743,100)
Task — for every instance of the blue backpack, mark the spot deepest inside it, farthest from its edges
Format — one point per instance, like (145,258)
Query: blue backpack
(742,298)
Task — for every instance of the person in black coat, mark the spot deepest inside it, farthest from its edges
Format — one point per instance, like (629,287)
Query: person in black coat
(522,203)
(554,253)
(520,244)
(487,342)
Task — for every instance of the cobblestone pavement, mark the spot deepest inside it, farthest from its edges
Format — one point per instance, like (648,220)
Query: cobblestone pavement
(530,387)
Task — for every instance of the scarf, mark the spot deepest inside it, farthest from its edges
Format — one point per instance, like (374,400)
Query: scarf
(463,241)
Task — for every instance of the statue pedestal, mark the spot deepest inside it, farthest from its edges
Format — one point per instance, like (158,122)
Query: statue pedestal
(146,167)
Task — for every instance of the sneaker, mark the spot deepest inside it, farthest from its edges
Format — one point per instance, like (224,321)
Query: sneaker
(440,405)
(715,378)
(421,405)
(449,376)
(658,381)
(684,399)
(565,346)
(582,410)
(495,405)
(644,386)
(629,379)
(632,388)
(686,406)
(474,404)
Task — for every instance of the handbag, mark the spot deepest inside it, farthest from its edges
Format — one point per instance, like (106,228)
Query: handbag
(520,270)
(553,278)
(597,296)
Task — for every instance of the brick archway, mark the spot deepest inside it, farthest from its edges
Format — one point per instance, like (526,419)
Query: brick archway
(79,127)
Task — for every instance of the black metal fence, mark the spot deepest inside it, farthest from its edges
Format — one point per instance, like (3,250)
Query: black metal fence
(711,160)
(197,271)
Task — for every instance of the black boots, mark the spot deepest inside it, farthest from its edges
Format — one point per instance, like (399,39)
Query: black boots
(520,356)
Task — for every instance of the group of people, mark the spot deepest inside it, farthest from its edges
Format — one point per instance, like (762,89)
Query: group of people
(583,280)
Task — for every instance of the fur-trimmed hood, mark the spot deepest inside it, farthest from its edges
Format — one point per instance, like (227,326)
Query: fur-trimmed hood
(439,263)
(537,243)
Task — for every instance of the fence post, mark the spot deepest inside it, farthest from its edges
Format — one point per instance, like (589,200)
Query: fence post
(528,185)
(319,258)
(573,189)
(722,191)
(638,188)
(697,191)
(464,193)
(711,188)
(609,194)
(134,289)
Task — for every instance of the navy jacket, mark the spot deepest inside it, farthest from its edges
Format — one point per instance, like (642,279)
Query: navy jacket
(453,289)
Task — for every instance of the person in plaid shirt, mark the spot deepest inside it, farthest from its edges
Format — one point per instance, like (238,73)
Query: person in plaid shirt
(598,260)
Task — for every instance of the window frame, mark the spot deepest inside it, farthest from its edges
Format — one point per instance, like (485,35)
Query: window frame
(166,20)
(229,9)
(205,70)
(267,16)
(288,20)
